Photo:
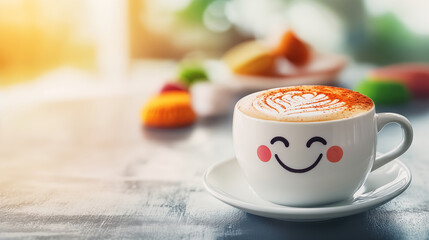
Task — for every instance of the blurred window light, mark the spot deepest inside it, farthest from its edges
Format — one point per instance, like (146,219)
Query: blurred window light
(258,19)
(412,13)
(155,18)
(109,26)
(40,35)
(317,24)
(214,17)
(173,5)
(159,16)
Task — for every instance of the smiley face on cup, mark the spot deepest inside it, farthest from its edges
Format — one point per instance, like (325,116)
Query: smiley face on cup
(334,153)
(310,145)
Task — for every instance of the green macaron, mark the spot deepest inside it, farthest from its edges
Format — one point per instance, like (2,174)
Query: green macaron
(384,91)
(189,74)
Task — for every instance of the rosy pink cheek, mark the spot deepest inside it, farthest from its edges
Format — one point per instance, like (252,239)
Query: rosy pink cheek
(334,154)
(264,153)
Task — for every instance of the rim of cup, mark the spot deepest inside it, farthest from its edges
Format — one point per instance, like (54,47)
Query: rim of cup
(370,111)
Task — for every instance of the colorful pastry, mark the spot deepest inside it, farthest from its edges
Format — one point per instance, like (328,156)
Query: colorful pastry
(415,76)
(384,92)
(173,86)
(250,58)
(294,49)
(169,110)
(189,74)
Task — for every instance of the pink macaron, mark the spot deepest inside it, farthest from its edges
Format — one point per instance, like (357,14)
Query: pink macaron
(173,86)
(415,76)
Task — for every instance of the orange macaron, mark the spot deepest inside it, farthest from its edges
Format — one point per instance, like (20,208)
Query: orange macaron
(171,109)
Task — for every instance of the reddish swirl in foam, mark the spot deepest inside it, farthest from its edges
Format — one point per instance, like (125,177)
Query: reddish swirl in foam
(298,103)
(308,103)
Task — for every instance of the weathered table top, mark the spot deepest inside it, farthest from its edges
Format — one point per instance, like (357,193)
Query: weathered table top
(83,167)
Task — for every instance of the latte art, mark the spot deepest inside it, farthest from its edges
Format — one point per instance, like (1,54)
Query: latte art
(306,103)
(298,103)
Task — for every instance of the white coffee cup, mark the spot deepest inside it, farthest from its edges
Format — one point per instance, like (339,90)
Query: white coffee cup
(312,163)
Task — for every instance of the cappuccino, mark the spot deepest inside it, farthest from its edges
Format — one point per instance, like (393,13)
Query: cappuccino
(305,104)
(318,148)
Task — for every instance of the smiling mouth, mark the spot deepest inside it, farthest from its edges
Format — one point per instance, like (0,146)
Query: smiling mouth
(303,170)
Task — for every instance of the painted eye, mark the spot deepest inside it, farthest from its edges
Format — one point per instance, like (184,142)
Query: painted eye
(316,139)
(281,139)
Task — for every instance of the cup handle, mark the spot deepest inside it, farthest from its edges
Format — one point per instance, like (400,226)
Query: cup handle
(382,119)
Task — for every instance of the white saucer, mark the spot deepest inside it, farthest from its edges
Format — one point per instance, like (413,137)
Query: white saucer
(226,182)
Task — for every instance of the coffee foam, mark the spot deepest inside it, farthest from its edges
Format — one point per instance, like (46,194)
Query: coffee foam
(305,104)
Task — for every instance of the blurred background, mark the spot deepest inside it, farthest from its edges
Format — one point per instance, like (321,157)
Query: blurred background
(76,74)
(105,38)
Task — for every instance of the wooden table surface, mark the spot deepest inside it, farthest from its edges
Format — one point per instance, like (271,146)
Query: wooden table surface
(81,166)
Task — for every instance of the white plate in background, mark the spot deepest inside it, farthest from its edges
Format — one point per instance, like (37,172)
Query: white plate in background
(322,70)
(219,95)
